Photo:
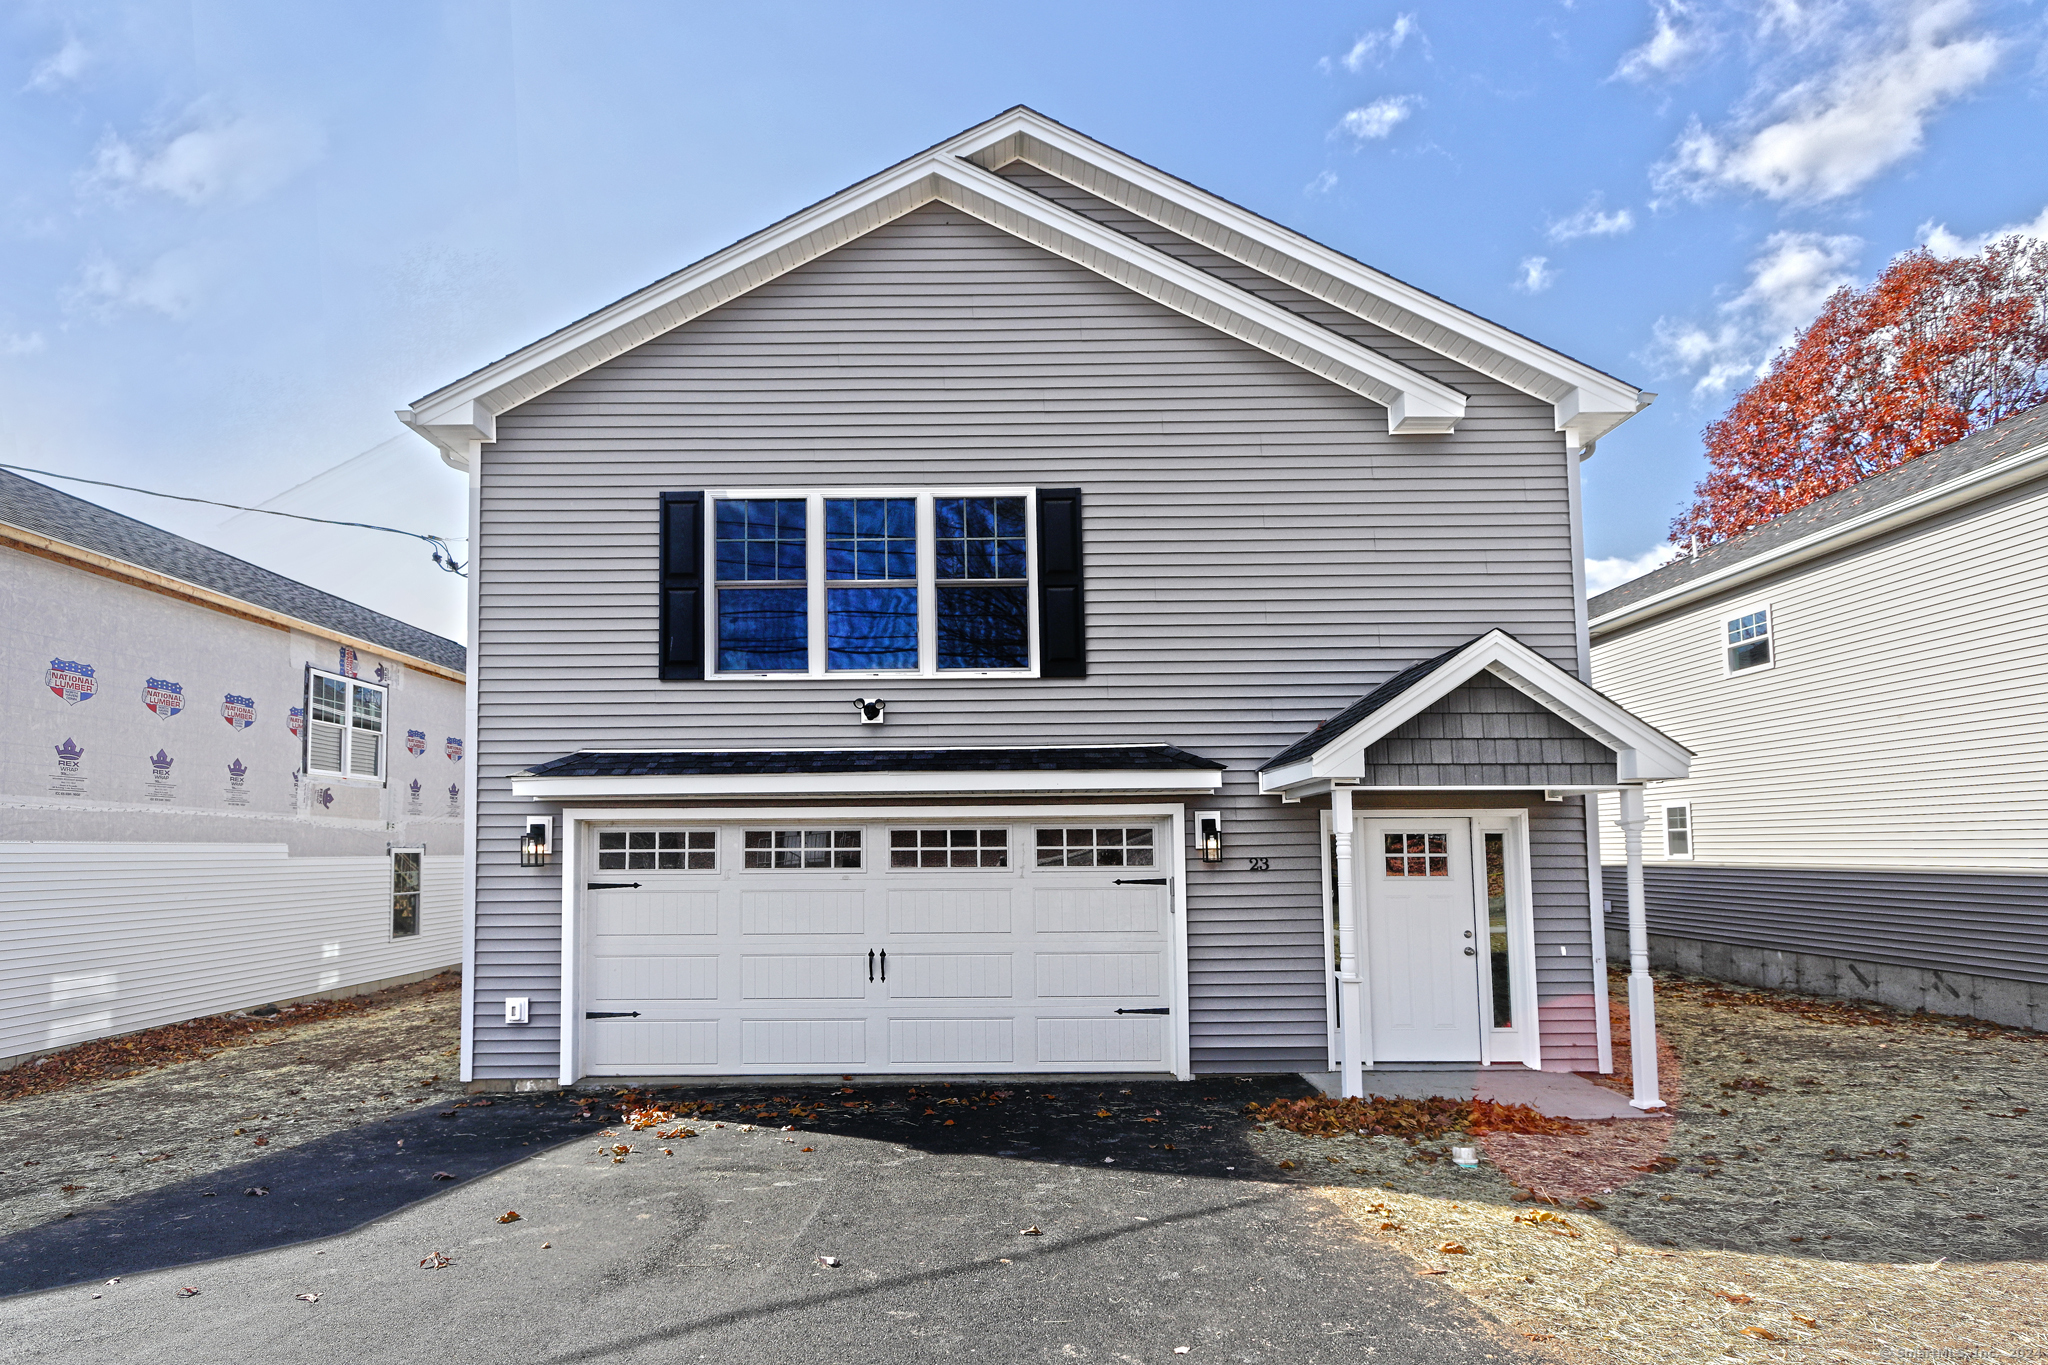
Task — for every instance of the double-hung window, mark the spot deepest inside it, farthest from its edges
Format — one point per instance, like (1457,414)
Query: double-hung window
(1749,640)
(1678,830)
(405,891)
(861,583)
(344,727)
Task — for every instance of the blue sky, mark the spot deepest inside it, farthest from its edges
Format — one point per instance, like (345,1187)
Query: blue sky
(238,235)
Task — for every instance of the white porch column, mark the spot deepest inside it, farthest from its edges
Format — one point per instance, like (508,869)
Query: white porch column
(1642,995)
(1350,990)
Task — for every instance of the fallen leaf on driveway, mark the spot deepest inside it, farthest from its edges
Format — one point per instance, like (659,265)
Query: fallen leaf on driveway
(1391,1227)
(1759,1332)
(1286,1165)
(1180,1350)
(1452,1249)
(1031,1231)
(443,1175)
(1803,1322)
(509,1216)
(262,1142)
(1433,1270)
(434,1261)
(1732,1298)
(309,1298)
(545,1245)
(187,1292)
(828,1261)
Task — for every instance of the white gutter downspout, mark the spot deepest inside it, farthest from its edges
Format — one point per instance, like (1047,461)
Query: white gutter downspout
(1642,992)
(1350,989)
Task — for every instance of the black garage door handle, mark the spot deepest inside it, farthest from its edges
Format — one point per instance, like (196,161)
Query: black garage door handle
(1160,1010)
(1144,881)
(611,1014)
(611,886)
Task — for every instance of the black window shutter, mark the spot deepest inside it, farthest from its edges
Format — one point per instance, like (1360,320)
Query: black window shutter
(682,585)
(1062,629)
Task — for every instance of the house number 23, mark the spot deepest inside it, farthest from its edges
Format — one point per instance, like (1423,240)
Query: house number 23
(1261,864)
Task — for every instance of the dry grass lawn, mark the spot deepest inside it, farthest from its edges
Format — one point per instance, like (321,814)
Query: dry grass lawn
(1839,1184)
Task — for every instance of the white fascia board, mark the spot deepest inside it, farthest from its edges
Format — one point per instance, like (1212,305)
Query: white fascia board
(1642,752)
(868,784)
(465,412)
(1588,402)
(1416,404)
(1982,483)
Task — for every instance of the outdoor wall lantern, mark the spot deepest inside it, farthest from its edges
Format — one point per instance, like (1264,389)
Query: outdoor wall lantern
(1209,835)
(533,845)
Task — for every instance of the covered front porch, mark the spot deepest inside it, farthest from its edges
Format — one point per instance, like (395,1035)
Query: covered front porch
(1460,862)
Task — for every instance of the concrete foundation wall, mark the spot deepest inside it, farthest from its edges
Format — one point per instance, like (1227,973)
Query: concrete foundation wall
(2020,1003)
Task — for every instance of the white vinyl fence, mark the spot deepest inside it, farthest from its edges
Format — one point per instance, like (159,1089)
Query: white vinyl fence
(106,938)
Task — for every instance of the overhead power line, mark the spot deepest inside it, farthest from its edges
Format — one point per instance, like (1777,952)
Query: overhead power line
(444,556)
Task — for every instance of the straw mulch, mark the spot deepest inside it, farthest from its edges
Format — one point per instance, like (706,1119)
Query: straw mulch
(1838,1183)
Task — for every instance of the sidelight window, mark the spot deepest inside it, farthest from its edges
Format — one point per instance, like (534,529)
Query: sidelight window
(1497,929)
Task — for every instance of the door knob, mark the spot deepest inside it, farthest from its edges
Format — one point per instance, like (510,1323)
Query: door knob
(1471,952)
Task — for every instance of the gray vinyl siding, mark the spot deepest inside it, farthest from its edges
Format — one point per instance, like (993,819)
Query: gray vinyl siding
(1984,924)
(1486,733)
(1260,553)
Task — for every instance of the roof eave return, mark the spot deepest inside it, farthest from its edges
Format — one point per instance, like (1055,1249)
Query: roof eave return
(1642,753)
(461,417)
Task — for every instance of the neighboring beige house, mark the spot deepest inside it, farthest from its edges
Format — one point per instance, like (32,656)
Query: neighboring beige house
(1864,682)
(219,788)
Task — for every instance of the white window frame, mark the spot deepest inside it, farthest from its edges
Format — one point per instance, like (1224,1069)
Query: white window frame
(1664,827)
(419,910)
(816,584)
(1729,618)
(348,730)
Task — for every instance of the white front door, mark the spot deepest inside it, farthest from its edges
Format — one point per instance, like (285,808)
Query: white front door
(781,945)
(1422,944)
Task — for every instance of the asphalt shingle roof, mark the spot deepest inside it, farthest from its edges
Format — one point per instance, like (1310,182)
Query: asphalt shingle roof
(748,762)
(37,507)
(2017,434)
(1363,707)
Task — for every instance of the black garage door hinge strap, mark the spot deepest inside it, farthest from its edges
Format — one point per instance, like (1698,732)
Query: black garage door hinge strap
(1162,1009)
(1144,881)
(611,886)
(611,1014)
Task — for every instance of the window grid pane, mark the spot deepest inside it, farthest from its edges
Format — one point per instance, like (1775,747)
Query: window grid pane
(1095,846)
(949,848)
(1417,855)
(760,540)
(802,848)
(871,539)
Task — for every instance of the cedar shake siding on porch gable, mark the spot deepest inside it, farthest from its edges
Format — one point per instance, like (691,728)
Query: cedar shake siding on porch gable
(1259,553)
(1487,733)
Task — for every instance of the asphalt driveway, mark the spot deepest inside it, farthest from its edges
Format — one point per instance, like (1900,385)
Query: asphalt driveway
(1158,1230)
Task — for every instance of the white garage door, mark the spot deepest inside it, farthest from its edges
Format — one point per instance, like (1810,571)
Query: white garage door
(784,947)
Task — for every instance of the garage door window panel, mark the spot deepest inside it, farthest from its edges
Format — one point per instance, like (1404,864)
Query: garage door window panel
(1095,846)
(810,849)
(949,848)
(691,850)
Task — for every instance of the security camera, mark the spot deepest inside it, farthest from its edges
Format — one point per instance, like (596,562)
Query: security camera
(872,710)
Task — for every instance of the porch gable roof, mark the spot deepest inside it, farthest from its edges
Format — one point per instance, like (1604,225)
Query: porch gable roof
(1335,750)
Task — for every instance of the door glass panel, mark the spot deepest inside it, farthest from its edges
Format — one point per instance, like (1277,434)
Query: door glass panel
(1497,928)
(1418,855)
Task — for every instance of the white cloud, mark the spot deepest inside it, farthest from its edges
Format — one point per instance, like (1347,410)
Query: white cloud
(1322,184)
(21,343)
(1676,38)
(1381,117)
(60,68)
(170,285)
(1833,133)
(1612,572)
(1536,275)
(1947,245)
(238,160)
(1379,44)
(1591,221)
(1789,280)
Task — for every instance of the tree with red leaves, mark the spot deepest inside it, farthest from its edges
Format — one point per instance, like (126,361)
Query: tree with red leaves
(1930,352)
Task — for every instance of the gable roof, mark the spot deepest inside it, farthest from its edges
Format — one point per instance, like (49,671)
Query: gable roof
(1336,748)
(960,172)
(2006,453)
(66,521)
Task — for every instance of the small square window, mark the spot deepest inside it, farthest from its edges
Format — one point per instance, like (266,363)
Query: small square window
(1417,855)
(1749,640)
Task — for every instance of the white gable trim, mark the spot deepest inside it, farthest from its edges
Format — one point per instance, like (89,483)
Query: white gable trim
(1588,403)
(1642,752)
(461,415)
